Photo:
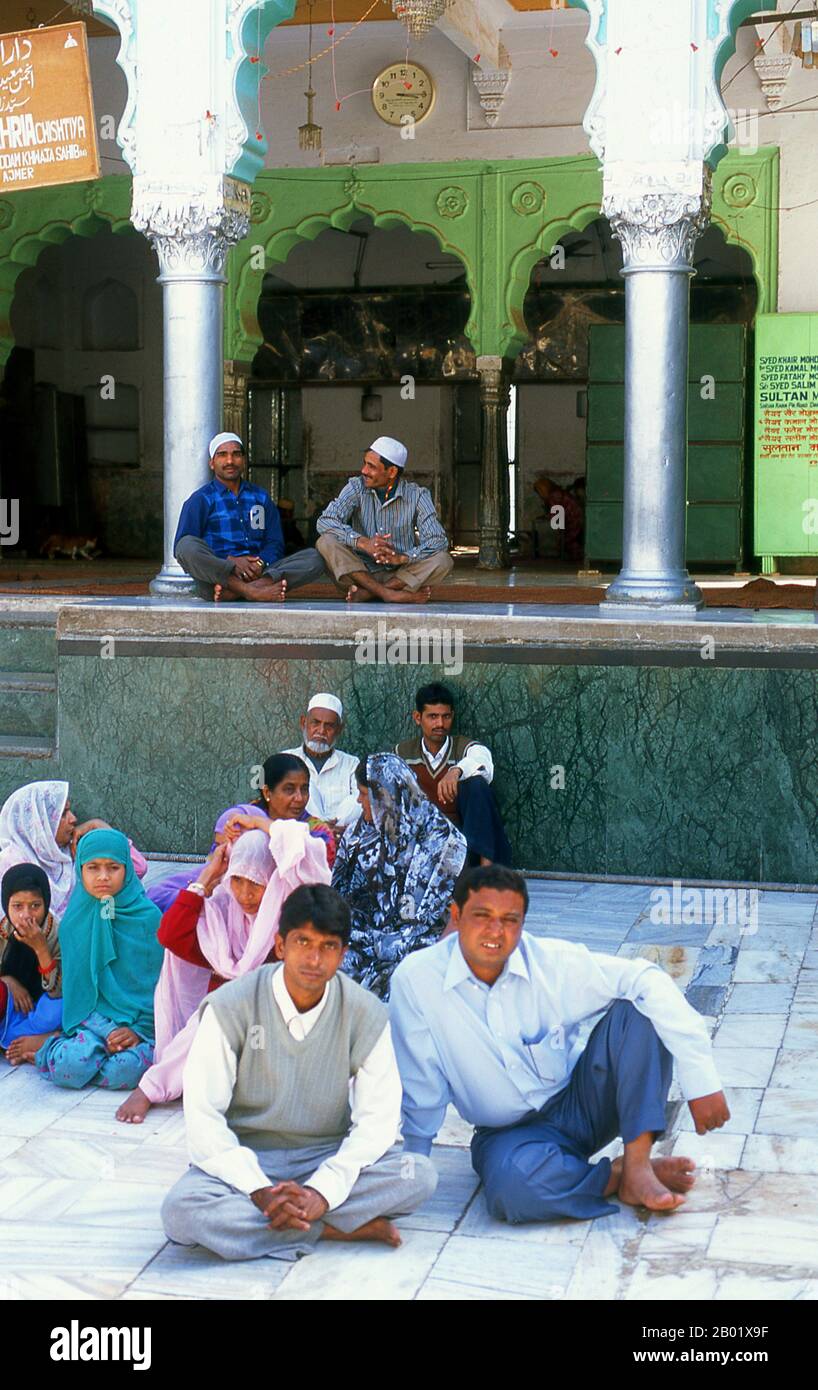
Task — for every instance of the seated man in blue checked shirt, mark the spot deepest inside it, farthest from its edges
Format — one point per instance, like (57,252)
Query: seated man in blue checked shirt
(488,1017)
(229,537)
(381,538)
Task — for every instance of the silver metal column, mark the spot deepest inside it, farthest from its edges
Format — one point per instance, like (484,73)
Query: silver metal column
(494,397)
(191,235)
(658,234)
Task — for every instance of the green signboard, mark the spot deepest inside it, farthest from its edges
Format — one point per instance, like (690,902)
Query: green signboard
(786,436)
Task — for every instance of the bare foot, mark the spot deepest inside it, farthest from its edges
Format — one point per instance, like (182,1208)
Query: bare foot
(641,1187)
(221,594)
(678,1174)
(355,594)
(133,1110)
(379,1229)
(25,1049)
(409,596)
(267,590)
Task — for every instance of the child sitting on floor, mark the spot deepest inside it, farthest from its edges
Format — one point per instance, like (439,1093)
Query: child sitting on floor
(111,961)
(30,972)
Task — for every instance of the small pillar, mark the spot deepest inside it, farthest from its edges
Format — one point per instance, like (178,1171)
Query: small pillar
(494,399)
(658,232)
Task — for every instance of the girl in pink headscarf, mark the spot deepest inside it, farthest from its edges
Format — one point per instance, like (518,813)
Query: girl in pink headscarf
(218,931)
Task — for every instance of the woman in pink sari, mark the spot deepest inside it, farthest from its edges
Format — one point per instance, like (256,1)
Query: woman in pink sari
(234,930)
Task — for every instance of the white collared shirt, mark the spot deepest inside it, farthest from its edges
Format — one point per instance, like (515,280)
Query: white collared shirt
(499,1052)
(209,1080)
(333,786)
(476,761)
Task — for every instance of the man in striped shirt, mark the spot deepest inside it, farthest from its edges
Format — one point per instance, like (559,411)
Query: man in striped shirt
(381,538)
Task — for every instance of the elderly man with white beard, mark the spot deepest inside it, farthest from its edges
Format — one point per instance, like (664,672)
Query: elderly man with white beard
(333,788)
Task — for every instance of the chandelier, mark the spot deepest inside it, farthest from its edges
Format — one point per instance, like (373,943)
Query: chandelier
(420,16)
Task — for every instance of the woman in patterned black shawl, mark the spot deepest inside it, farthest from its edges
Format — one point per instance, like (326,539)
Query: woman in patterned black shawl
(396,868)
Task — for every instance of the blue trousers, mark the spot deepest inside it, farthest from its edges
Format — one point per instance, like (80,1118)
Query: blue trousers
(82,1059)
(480,822)
(538,1169)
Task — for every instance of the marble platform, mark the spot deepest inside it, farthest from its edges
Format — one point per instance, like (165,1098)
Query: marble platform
(80,1194)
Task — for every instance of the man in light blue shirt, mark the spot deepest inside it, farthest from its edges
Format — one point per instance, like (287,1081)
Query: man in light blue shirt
(488,1019)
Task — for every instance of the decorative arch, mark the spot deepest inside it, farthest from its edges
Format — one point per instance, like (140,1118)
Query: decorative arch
(289,207)
(499,220)
(41,217)
(249,24)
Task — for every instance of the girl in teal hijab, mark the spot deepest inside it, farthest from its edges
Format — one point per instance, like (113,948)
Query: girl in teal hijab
(111,961)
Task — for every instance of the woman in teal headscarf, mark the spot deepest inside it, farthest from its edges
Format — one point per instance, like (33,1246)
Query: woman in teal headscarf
(111,961)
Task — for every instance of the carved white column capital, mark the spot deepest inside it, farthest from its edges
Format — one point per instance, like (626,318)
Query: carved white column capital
(491,89)
(192,226)
(659,226)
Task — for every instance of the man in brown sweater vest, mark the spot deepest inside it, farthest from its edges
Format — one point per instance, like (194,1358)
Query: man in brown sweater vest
(455,772)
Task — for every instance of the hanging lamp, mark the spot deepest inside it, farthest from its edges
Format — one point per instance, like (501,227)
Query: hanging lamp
(420,16)
(309,134)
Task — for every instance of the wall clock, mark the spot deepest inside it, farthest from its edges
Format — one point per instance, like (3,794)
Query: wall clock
(403,89)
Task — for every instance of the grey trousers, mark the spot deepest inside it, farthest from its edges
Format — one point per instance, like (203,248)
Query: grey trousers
(201,1210)
(199,561)
(341,561)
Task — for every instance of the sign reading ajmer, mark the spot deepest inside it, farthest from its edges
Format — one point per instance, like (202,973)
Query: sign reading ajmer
(47,129)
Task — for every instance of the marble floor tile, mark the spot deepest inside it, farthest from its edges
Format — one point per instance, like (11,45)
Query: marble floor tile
(765,1240)
(43,1285)
(609,1247)
(750,1030)
(365,1272)
(77,1156)
(679,962)
(796,1070)
(760,999)
(445,1290)
(455,1189)
(180,1271)
(743,1102)
(745,1066)
(682,1232)
(24,1197)
(29,1246)
(711,1152)
(715,965)
(9,1144)
(793,1114)
(152,1163)
(773,1153)
(666,1279)
(802,1031)
(544,1271)
(678,934)
(478,1223)
(805,1000)
(779,965)
(128,1205)
(783,1286)
(30,1103)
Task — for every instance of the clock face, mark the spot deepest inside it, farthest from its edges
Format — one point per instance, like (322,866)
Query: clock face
(403,89)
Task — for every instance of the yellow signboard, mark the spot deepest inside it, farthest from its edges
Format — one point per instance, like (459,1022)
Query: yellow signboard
(47,129)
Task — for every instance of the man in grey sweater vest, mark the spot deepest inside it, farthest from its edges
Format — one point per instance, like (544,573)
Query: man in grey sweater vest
(292,1105)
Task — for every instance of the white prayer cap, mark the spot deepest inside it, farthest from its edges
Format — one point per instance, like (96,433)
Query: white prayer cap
(219,439)
(390,449)
(325,701)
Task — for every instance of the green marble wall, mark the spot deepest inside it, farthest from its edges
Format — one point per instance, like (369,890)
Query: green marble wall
(669,771)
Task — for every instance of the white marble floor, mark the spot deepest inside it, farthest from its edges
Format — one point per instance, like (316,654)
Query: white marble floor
(80,1194)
